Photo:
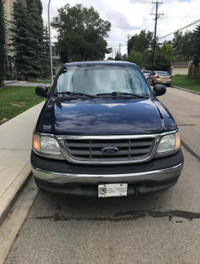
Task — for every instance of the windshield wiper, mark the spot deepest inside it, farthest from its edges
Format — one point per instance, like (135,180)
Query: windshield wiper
(121,94)
(77,94)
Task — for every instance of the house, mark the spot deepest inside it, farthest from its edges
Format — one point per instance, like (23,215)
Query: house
(180,67)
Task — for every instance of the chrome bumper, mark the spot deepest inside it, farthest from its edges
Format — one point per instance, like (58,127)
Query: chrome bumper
(64,178)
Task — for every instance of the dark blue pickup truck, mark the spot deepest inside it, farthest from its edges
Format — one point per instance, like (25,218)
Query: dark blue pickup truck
(102,132)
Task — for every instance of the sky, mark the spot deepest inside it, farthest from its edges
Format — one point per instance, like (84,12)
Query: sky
(129,17)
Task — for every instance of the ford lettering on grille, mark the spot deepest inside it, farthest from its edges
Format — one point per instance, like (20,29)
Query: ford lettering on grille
(109,150)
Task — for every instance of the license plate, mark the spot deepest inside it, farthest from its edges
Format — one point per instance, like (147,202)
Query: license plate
(112,190)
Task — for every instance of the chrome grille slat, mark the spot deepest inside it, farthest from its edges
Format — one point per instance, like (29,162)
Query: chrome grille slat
(100,153)
(91,150)
(132,144)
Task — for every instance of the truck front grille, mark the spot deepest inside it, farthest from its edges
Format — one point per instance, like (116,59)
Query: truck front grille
(128,150)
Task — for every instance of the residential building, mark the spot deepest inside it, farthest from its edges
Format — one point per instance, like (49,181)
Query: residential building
(180,67)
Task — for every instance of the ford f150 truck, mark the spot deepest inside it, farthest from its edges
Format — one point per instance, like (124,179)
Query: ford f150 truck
(102,132)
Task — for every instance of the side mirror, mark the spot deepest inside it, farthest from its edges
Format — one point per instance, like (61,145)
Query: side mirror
(159,89)
(41,91)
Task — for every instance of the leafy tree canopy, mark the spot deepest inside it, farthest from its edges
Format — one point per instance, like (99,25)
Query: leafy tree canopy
(183,45)
(164,57)
(27,37)
(196,58)
(81,33)
(140,42)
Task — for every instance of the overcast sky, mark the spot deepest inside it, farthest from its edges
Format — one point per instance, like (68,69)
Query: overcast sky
(129,17)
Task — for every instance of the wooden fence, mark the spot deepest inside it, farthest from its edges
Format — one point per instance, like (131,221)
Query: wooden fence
(194,71)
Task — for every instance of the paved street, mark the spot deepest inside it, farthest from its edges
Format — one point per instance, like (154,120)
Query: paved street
(159,228)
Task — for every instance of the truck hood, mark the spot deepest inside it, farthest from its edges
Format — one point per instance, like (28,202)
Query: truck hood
(104,117)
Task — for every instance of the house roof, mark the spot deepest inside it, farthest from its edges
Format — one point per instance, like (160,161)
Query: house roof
(180,64)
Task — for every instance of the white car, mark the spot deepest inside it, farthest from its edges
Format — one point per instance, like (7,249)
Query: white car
(146,73)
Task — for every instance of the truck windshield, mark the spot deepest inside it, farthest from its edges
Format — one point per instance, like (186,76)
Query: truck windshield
(100,79)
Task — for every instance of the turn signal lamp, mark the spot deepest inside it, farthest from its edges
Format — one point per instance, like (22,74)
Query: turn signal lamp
(36,142)
(178,140)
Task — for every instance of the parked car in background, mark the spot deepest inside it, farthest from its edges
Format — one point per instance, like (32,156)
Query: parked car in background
(146,73)
(161,77)
(102,132)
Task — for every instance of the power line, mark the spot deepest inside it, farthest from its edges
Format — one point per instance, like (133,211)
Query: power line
(189,25)
(169,6)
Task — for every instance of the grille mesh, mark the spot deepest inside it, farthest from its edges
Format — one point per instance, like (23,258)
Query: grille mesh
(92,150)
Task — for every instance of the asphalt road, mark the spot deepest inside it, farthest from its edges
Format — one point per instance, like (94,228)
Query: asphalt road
(153,229)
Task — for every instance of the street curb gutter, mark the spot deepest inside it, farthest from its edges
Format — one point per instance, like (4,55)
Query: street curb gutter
(186,90)
(12,193)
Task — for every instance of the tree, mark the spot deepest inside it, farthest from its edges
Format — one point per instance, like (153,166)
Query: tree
(183,45)
(2,43)
(35,28)
(81,33)
(19,38)
(45,54)
(164,57)
(27,38)
(196,59)
(140,42)
(136,57)
(140,49)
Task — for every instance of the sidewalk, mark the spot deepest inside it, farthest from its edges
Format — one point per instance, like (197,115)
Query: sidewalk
(24,83)
(15,147)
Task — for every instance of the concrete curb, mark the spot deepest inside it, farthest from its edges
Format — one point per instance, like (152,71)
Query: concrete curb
(186,90)
(14,190)
(15,150)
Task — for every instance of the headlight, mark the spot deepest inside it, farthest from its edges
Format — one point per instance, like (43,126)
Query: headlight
(169,143)
(46,145)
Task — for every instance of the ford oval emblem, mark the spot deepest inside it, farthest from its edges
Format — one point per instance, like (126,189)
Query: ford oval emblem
(110,150)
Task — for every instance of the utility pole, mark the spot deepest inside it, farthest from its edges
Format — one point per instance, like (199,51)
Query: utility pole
(128,36)
(155,31)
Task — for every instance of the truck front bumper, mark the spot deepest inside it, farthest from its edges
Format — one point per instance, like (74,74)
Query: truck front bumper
(62,177)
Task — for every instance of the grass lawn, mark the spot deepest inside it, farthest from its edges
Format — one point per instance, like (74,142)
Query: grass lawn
(186,82)
(16,100)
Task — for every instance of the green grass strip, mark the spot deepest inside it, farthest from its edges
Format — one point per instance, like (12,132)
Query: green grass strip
(16,100)
(186,82)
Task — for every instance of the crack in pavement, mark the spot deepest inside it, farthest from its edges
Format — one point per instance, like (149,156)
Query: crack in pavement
(125,216)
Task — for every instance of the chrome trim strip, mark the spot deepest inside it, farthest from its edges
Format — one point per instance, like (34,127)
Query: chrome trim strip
(62,137)
(62,178)
(114,136)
